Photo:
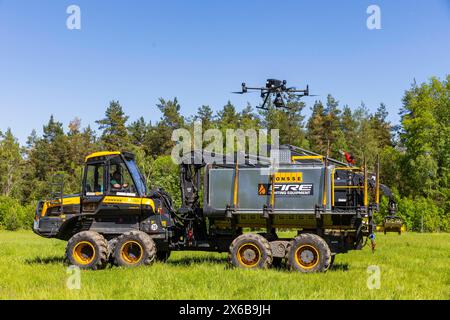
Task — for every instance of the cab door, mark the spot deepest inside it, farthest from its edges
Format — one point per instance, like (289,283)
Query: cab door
(122,199)
(94,183)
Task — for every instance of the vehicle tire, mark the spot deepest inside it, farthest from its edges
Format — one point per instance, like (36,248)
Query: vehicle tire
(111,247)
(87,250)
(134,248)
(250,251)
(308,253)
(162,256)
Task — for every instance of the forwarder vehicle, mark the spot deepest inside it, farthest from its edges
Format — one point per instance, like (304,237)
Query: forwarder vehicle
(393,224)
(239,208)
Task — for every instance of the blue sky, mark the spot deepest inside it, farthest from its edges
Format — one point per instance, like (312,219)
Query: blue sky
(200,51)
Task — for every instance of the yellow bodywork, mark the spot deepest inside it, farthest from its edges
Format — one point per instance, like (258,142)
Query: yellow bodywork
(130,200)
(102,154)
(107,199)
(380,228)
(299,158)
(66,202)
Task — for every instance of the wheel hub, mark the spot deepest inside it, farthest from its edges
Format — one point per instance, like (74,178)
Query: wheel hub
(307,256)
(84,253)
(132,252)
(249,255)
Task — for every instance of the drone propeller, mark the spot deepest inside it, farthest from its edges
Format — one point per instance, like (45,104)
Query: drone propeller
(242,92)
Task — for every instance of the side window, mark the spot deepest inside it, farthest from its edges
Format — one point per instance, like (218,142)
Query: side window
(120,181)
(95,180)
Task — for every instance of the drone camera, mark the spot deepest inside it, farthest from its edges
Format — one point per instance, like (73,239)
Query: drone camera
(279,102)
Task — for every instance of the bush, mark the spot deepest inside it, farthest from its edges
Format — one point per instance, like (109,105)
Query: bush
(14,216)
(12,220)
(165,174)
(423,214)
(419,213)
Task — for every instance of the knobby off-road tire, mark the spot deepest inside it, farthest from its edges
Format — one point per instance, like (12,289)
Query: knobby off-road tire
(87,250)
(134,248)
(250,251)
(308,253)
(277,262)
(111,247)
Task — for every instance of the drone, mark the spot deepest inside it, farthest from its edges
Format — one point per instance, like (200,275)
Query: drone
(277,88)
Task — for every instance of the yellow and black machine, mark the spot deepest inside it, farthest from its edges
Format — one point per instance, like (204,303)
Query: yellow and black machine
(393,224)
(116,218)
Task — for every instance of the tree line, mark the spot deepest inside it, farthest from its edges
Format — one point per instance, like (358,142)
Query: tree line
(415,154)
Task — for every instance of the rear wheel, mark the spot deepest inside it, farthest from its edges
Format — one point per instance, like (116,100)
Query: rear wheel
(308,253)
(250,251)
(134,249)
(87,250)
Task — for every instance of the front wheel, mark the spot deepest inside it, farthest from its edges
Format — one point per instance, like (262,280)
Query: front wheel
(87,250)
(308,253)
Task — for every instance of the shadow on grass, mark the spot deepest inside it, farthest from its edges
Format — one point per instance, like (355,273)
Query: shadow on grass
(187,261)
(339,267)
(46,260)
(280,267)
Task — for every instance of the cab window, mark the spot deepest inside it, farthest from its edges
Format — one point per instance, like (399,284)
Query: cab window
(120,181)
(95,179)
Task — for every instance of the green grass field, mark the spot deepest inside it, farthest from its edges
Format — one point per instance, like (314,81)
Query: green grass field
(413,266)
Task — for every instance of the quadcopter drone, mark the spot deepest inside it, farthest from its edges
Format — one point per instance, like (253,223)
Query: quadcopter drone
(277,88)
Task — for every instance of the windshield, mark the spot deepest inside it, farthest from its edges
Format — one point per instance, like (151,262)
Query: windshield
(137,177)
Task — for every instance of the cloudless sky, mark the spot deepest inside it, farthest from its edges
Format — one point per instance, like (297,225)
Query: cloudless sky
(200,51)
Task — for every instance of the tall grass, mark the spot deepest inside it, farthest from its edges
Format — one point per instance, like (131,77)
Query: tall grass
(413,266)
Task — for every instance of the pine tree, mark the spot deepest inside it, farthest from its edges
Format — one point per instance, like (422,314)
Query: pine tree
(139,131)
(50,152)
(10,164)
(81,142)
(227,118)
(365,143)
(382,127)
(205,116)
(161,134)
(115,133)
(332,126)
(315,129)
(289,121)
